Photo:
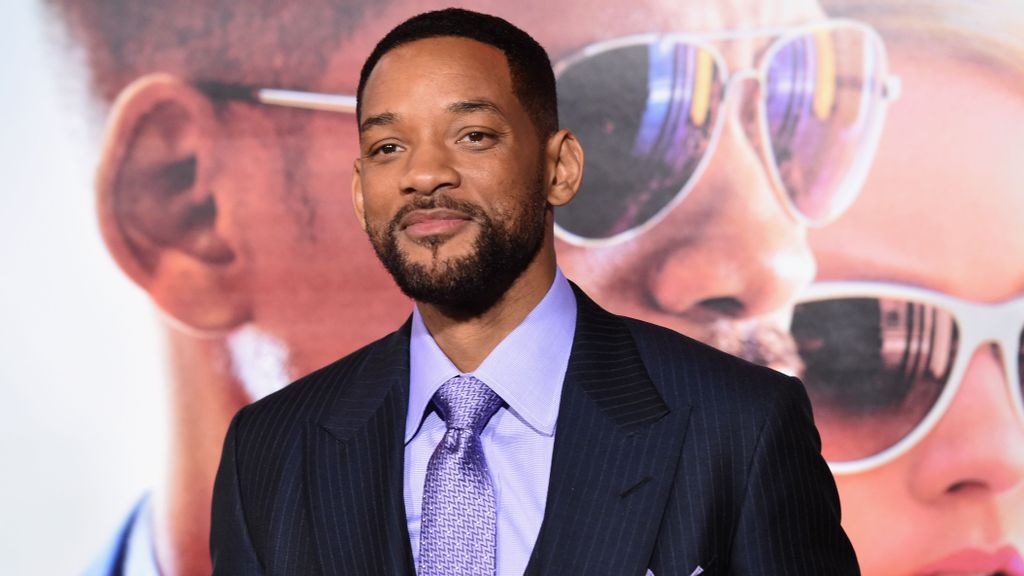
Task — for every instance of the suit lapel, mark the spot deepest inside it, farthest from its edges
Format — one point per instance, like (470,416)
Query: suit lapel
(354,467)
(616,450)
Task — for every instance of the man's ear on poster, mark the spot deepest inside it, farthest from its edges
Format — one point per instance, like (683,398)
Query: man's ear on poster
(160,210)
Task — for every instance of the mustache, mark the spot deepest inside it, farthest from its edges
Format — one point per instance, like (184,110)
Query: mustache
(437,201)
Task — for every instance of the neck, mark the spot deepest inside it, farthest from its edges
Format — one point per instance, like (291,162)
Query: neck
(467,341)
(203,397)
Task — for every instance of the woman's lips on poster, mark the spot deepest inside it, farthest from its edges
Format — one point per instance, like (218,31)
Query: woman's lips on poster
(420,224)
(1005,561)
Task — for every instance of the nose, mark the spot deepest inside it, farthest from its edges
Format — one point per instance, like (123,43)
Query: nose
(730,249)
(977,448)
(428,167)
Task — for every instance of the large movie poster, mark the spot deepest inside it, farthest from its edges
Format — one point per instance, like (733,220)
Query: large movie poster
(833,189)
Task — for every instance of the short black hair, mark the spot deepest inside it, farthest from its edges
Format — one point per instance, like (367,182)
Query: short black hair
(533,80)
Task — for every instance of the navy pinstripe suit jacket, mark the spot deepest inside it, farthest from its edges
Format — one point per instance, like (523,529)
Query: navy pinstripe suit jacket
(668,455)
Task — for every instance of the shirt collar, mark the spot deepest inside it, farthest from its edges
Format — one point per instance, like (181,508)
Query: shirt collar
(526,369)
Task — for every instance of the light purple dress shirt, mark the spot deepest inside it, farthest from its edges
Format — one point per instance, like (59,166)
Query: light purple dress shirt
(526,369)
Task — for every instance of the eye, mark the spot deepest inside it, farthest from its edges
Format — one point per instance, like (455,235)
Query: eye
(477,138)
(385,149)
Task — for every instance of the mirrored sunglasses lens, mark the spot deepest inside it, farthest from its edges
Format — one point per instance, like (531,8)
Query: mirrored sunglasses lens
(645,115)
(873,369)
(824,107)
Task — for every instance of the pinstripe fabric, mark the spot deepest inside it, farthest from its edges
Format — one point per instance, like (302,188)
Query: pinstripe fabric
(668,455)
(310,480)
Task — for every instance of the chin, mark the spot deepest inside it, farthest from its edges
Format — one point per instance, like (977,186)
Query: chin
(434,251)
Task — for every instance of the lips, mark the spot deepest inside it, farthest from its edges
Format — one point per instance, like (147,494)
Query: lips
(432,222)
(1003,561)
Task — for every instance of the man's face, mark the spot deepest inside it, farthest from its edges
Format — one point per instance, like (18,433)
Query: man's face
(449,182)
(729,251)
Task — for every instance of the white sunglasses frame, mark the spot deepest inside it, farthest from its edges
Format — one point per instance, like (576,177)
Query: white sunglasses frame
(1000,323)
(889,90)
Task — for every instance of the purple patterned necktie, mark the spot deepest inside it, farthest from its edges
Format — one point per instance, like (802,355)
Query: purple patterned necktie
(457,532)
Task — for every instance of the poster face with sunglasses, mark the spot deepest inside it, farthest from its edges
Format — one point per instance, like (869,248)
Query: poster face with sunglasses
(829,189)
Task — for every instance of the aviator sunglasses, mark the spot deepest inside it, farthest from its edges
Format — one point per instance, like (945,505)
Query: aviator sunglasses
(883,362)
(649,110)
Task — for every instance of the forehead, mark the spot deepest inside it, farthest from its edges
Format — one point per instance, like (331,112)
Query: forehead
(443,68)
(568,25)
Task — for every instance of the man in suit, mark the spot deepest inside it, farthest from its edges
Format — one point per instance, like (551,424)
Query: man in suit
(511,424)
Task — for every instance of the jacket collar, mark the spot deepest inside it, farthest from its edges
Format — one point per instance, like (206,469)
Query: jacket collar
(354,457)
(617,446)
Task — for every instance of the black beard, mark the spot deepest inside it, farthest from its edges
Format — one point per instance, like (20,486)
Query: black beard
(468,286)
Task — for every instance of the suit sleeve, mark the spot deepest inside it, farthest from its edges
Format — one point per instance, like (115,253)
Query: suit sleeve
(231,548)
(789,522)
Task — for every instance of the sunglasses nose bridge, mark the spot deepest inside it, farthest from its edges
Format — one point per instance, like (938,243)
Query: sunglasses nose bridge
(744,89)
(1005,343)
(1000,325)
(740,91)
(735,83)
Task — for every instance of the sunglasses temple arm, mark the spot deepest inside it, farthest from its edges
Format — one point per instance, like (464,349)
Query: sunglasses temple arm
(891,89)
(306,100)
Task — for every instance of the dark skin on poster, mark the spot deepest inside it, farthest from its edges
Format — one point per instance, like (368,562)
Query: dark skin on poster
(236,219)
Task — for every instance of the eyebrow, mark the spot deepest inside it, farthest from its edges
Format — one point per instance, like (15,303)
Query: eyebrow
(470,106)
(382,119)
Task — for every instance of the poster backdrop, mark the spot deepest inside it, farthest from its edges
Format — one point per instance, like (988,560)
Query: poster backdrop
(832,189)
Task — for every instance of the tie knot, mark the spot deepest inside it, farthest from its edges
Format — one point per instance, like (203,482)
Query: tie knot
(466,403)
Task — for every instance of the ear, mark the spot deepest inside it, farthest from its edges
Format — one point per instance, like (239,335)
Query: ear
(565,166)
(357,192)
(158,205)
